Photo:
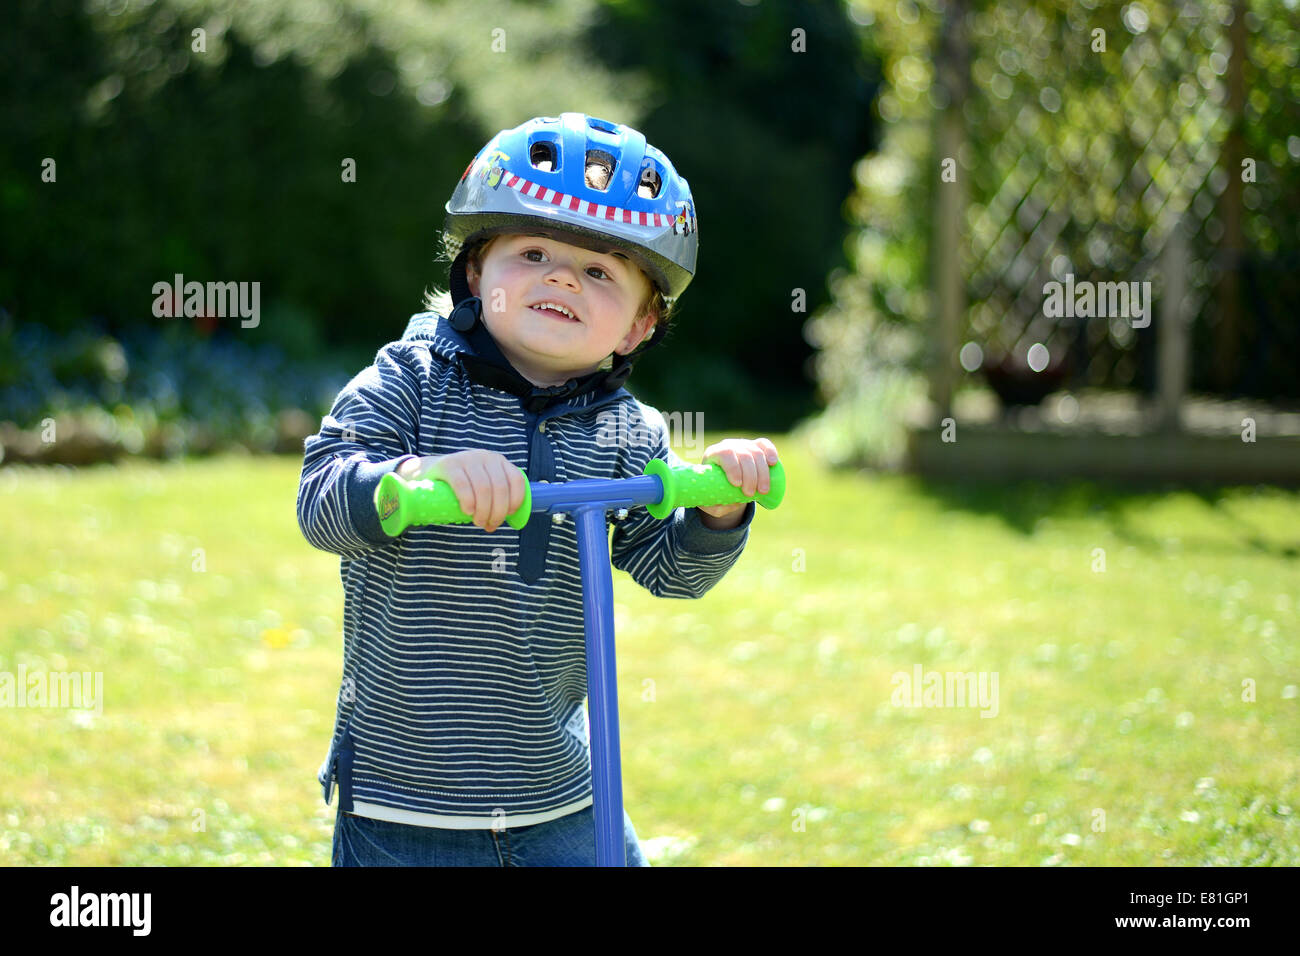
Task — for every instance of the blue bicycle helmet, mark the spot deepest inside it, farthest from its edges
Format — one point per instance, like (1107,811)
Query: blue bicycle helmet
(587,181)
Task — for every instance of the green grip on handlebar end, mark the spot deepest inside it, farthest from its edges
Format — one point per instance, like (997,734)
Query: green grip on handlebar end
(401,504)
(704,486)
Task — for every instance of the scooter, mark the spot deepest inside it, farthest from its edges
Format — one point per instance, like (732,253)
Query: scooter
(661,489)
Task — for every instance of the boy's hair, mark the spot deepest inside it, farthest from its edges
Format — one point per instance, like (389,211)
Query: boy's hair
(439,300)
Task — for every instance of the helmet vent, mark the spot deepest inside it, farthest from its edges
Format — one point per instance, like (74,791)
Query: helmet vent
(542,156)
(599,169)
(650,184)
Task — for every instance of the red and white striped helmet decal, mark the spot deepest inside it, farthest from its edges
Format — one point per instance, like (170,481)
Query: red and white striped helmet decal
(596,211)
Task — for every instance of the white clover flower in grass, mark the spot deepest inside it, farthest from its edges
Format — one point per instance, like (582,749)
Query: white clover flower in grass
(956,856)
(662,849)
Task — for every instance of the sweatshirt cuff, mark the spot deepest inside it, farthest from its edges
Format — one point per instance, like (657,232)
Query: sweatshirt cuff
(361,497)
(694,536)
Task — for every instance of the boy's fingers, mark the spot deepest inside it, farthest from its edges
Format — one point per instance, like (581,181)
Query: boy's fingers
(487,496)
(749,475)
(500,494)
(482,485)
(727,461)
(769,450)
(460,484)
(731,468)
(518,487)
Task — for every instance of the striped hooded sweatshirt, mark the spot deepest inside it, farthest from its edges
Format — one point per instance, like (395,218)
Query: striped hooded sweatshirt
(464,661)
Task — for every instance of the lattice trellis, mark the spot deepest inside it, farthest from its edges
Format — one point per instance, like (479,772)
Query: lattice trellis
(1094,185)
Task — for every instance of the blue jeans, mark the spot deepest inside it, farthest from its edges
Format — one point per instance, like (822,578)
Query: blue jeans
(568,841)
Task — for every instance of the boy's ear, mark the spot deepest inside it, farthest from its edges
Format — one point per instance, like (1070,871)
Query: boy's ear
(641,330)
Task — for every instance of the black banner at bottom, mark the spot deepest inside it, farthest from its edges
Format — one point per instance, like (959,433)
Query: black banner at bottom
(925,906)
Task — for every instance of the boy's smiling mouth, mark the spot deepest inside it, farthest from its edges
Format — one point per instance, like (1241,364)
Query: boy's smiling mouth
(556,311)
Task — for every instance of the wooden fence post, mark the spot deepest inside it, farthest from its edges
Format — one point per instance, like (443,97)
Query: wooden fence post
(1229,329)
(1173,348)
(952,75)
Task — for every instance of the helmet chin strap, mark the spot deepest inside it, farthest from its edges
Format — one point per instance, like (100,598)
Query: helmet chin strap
(458,283)
(469,309)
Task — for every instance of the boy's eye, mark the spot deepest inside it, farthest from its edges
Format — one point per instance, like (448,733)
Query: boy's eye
(528,253)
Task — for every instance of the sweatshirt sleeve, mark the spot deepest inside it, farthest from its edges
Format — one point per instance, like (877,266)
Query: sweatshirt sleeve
(371,429)
(676,557)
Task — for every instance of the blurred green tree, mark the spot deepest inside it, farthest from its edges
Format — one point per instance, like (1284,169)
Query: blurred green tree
(208,137)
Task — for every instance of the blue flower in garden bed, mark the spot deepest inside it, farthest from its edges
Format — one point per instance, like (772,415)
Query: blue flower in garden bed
(232,389)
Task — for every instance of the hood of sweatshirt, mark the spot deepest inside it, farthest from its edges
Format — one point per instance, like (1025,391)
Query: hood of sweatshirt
(477,352)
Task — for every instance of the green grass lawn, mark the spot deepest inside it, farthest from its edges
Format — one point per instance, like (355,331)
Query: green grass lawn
(759,724)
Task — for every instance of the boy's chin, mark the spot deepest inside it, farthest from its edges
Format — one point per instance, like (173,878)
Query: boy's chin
(561,368)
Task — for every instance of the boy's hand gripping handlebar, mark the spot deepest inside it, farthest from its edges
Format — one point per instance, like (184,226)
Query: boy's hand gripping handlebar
(403,503)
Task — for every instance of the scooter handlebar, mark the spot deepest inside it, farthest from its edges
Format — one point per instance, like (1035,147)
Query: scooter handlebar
(402,503)
(703,486)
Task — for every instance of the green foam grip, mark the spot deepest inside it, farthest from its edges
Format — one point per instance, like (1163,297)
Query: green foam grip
(403,503)
(704,486)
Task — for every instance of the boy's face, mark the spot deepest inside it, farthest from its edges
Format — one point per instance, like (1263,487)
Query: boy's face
(604,290)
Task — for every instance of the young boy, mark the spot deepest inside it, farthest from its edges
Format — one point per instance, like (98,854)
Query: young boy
(460,736)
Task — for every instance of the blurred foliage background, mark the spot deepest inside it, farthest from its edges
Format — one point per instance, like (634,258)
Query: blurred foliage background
(225,165)
(808,133)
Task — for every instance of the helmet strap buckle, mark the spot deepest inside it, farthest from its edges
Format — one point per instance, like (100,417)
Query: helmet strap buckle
(466,314)
(616,377)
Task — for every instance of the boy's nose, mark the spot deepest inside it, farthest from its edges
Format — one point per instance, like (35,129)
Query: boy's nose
(563,275)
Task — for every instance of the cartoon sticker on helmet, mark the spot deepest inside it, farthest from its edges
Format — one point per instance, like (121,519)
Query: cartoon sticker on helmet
(684,224)
(495,168)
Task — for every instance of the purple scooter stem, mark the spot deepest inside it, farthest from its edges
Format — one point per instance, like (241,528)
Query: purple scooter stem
(587,500)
